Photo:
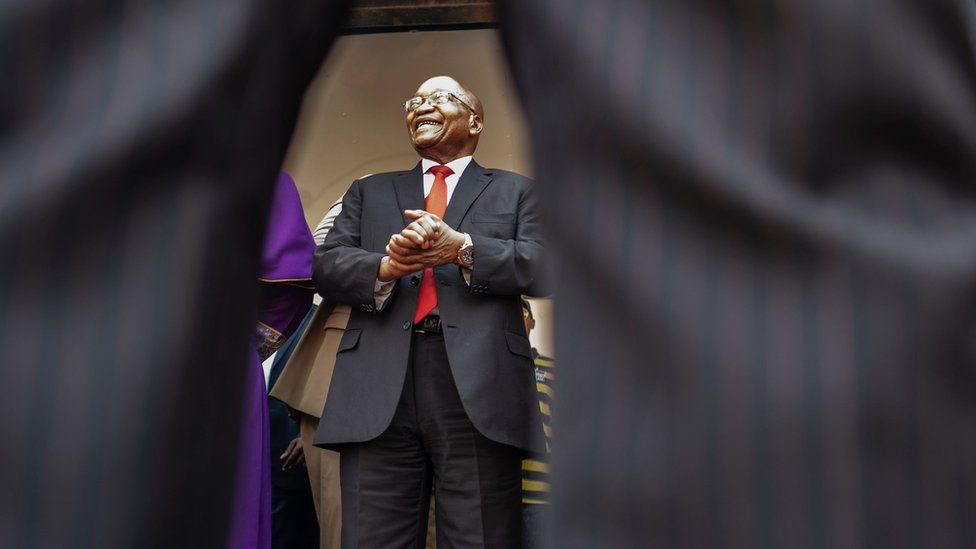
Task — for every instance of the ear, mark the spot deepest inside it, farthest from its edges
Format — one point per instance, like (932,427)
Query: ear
(475,125)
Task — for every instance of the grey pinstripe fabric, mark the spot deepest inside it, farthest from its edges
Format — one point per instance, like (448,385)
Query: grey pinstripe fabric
(138,144)
(768,205)
(766,214)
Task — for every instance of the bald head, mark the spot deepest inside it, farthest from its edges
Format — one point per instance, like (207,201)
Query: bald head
(447,83)
(445,127)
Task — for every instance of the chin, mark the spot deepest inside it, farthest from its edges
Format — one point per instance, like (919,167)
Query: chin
(421,145)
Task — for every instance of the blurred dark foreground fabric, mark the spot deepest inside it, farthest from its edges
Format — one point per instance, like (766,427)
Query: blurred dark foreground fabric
(766,223)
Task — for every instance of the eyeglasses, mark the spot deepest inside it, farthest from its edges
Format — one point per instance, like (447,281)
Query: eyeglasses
(436,98)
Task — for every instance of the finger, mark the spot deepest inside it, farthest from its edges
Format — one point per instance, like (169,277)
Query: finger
(417,214)
(429,224)
(396,261)
(421,229)
(413,236)
(396,248)
(404,264)
(399,262)
(431,230)
(408,255)
(405,267)
(402,241)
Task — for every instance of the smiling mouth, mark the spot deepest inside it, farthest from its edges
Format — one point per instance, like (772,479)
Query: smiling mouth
(429,123)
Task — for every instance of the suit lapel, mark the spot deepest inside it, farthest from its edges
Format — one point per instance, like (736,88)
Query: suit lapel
(473,182)
(409,187)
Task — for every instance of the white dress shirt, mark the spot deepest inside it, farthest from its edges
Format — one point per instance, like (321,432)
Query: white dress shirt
(457,166)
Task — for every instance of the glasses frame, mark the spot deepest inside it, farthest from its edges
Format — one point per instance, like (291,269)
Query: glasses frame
(426,98)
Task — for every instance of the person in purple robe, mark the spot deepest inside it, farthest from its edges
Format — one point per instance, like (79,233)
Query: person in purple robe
(286,296)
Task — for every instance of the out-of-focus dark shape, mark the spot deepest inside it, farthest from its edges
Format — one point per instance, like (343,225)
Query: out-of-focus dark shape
(139,143)
(766,223)
(765,212)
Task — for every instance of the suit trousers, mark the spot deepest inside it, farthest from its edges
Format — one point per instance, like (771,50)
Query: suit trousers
(323,473)
(387,481)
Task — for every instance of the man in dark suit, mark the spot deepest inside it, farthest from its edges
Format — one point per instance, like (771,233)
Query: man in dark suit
(433,382)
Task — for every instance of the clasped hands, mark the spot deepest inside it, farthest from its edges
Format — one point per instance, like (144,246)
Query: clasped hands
(426,242)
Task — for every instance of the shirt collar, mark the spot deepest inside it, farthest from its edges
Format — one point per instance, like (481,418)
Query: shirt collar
(458,165)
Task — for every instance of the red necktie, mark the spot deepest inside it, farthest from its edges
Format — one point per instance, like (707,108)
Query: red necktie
(436,204)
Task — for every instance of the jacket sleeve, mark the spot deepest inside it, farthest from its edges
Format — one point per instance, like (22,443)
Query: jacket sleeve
(342,271)
(514,267)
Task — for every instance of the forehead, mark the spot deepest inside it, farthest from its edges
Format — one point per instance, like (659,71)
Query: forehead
(437,84)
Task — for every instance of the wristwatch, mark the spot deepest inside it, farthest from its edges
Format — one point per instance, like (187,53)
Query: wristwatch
(465,255)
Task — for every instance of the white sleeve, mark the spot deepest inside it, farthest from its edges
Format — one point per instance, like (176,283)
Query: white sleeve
(326,224)
(382,292)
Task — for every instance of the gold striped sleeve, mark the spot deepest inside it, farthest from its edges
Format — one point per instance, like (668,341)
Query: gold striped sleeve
(543,388)
(535,465)
(534,486)
(544,408)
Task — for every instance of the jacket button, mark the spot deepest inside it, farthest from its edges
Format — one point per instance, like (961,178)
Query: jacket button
(406,325)
(414,280)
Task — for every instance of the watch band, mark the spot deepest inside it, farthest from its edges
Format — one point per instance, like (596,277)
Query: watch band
(465,255)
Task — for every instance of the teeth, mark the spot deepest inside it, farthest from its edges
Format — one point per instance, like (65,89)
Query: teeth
(427,123)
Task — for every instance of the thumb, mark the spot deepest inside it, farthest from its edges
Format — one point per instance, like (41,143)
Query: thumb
(414,214)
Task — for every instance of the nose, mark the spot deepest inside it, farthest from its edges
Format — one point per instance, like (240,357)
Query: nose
(426,105)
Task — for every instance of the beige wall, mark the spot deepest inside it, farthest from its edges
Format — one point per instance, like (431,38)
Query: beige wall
(351,122)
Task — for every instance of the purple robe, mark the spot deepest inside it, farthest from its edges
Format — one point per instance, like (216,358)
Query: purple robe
(286,295)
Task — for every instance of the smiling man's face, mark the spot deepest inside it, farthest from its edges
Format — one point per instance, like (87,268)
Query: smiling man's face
(446,131)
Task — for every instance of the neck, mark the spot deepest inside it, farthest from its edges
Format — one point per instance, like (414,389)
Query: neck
(444,158)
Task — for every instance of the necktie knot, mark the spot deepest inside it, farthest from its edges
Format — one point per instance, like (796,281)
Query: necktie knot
(442,171)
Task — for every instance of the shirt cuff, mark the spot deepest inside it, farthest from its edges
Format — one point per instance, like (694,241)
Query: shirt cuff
(382,292)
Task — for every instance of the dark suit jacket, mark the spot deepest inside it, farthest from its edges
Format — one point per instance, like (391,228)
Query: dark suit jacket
(483,330)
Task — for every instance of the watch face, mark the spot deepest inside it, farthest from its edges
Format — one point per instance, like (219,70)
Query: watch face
(466,255)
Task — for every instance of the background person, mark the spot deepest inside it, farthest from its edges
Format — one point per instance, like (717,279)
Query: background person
(303,385)
(535,471)
(294,524)
(286,295)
